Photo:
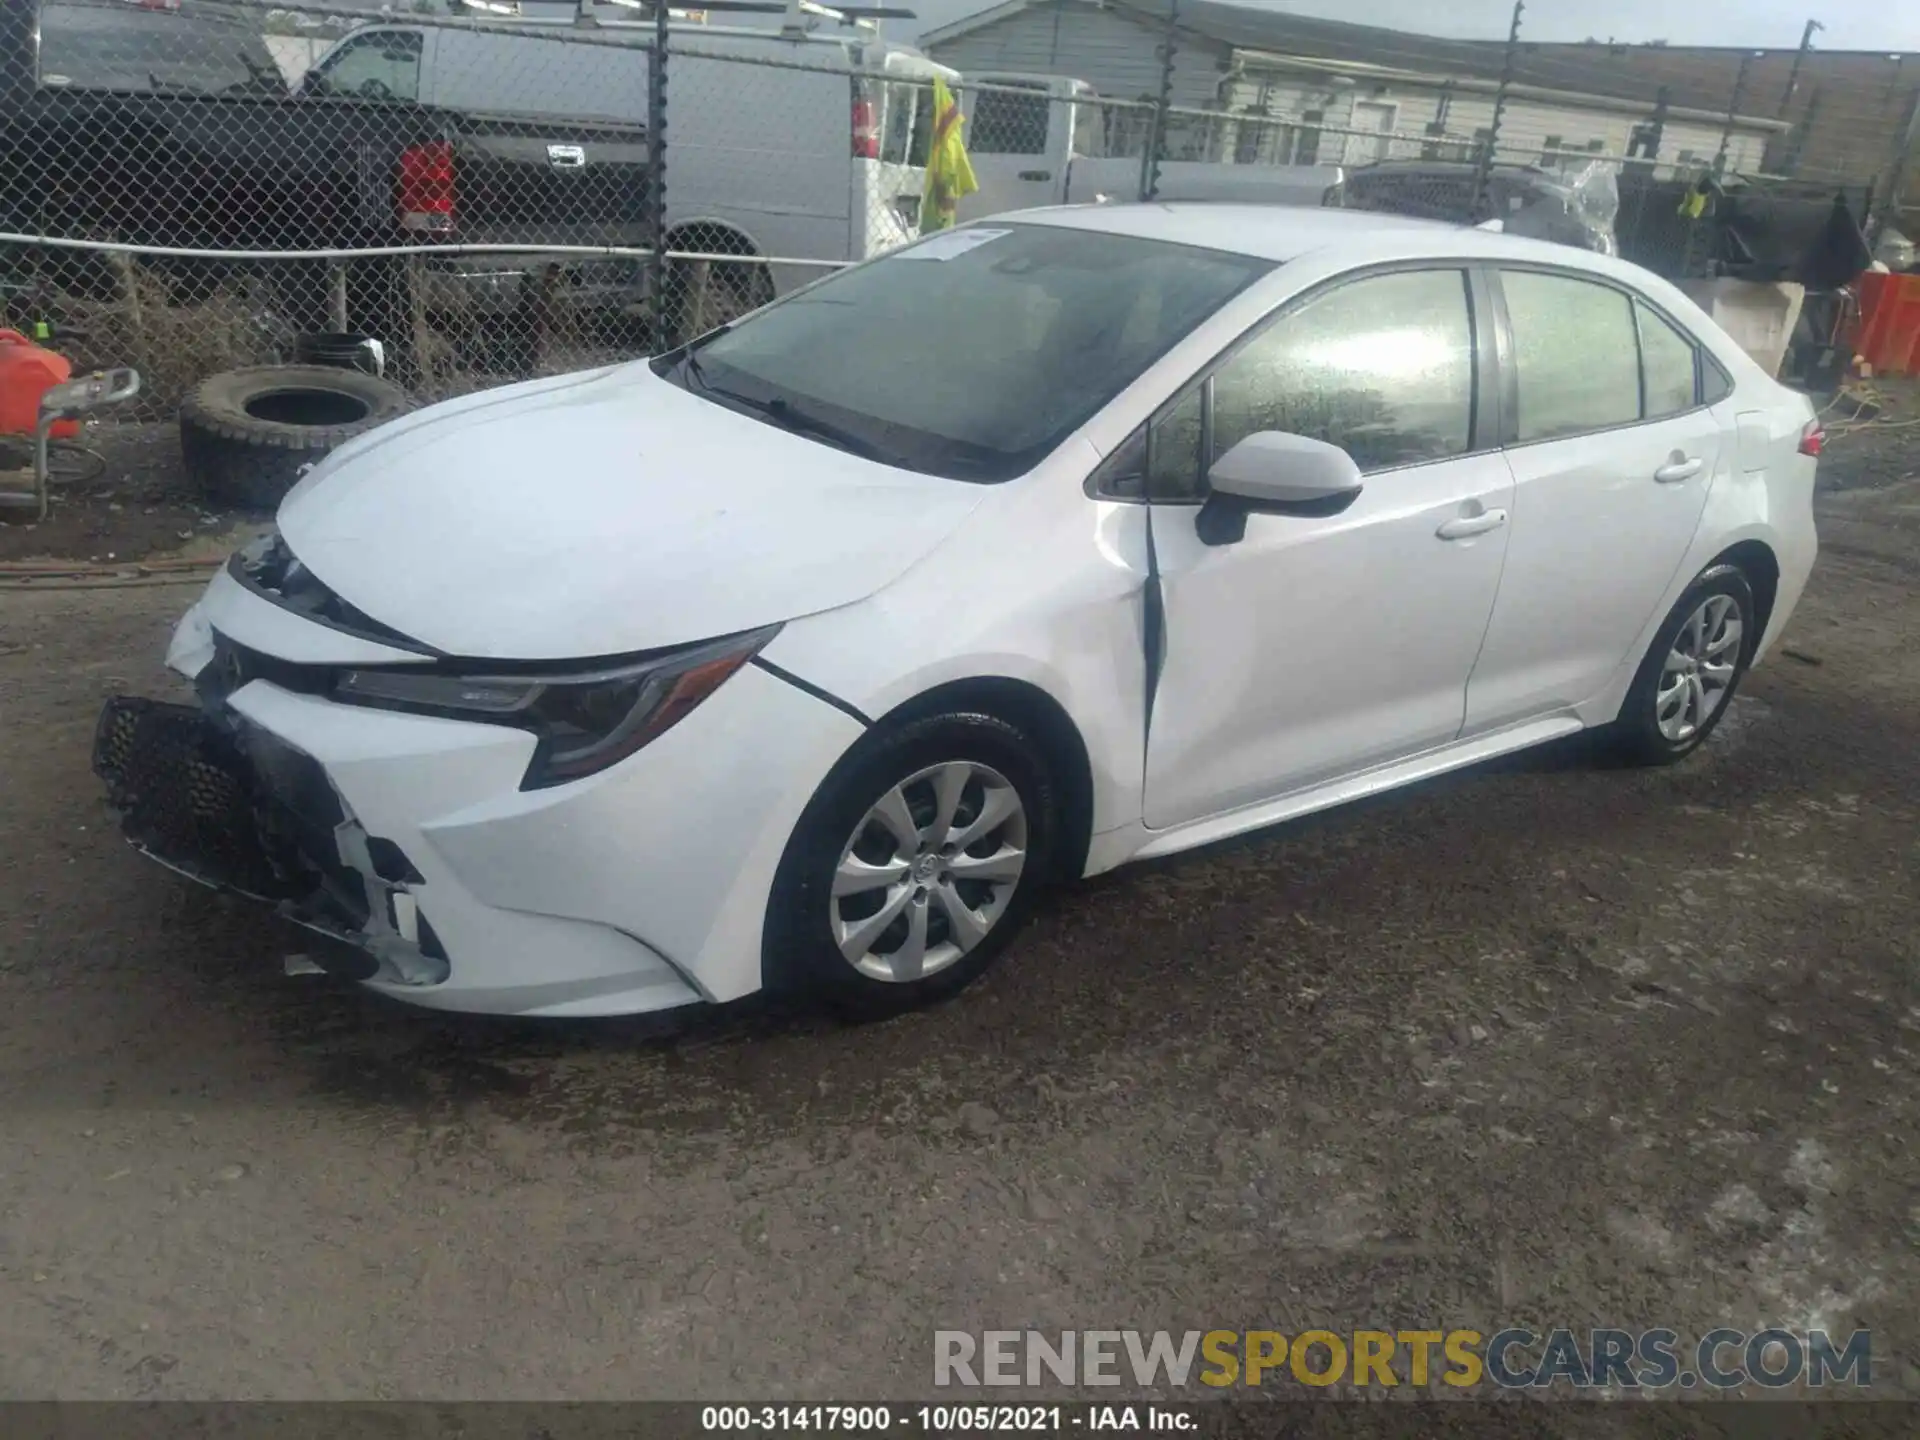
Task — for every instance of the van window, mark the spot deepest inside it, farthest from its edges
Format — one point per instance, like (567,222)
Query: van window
(380,65)
(1005,123)
(909,124)
(1089,130)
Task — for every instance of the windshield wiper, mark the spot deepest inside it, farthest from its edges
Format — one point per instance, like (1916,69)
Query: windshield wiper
(782,413)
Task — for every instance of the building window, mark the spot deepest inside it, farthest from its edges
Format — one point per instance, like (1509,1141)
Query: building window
(1306,141)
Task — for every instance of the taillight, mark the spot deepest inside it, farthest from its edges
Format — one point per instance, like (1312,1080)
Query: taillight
(426,187)
(866,131)
(1813,438)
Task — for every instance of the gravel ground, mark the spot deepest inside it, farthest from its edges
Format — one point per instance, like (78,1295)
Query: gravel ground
(138,502)
(1544,1043)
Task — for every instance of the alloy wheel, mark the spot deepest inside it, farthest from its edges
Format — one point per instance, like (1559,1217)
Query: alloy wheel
(929,871)
(1699,670)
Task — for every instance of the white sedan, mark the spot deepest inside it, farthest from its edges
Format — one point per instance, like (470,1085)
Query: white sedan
(805,657)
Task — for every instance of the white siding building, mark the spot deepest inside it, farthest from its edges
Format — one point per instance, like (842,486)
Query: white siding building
(1280,89)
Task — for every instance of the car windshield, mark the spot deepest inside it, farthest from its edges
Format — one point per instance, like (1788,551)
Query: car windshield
(970,355)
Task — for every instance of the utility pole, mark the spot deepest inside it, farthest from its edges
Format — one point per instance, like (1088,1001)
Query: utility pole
(1799,59)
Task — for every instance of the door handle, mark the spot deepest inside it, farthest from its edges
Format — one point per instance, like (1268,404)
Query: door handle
(1468,526)
(1036,174)
(1678,470)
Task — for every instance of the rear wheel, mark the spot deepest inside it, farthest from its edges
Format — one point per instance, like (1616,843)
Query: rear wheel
(914,866)
(1690,674)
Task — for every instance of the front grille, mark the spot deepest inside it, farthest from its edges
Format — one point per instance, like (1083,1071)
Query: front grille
(298,802)
(228,803)
(184,791)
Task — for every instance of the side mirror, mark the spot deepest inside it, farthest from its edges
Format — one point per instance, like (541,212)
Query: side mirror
(1274,473)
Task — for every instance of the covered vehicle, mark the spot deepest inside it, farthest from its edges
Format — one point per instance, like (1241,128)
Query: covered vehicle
(1577,209)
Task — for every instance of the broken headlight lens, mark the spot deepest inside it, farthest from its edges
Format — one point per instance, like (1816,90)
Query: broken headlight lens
(585,720)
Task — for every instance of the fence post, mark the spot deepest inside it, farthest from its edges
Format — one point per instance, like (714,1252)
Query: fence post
(1733,110)
(657,174)
(1691,259)
(1157,136)
(1797,137)
(1898,172)
(1657,135)
(1483,171)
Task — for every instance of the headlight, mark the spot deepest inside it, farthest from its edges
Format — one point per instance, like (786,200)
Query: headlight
(586,720)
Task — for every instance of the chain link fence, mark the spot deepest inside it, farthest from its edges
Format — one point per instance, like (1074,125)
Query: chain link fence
(190,186)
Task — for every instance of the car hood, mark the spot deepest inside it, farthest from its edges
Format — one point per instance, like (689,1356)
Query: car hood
(603,514)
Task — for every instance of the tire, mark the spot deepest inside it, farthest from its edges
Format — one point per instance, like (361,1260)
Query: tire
(1720,595)
(801,953)
(246,434)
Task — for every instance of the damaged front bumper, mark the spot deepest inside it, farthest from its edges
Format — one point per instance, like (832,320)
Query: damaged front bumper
(227,804)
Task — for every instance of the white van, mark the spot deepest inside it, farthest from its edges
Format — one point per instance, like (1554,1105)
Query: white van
(795,157)
(1048,140)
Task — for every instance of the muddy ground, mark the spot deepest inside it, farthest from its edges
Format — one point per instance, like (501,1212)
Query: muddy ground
(1545,1043)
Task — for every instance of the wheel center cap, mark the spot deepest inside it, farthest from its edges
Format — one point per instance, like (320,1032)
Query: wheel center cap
(926,869)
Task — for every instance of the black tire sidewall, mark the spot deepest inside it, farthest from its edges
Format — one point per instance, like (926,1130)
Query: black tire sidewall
(243,460)
(799,957)
(1637,728)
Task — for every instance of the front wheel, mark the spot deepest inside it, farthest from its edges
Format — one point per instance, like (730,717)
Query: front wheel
(914,865)
(1692,670)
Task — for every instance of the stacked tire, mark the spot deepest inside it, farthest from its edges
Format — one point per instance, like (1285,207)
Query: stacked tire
(246,435)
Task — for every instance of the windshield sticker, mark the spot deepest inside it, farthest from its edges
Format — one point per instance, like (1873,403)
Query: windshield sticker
(952,243)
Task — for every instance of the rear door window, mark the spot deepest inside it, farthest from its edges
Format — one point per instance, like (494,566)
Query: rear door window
(1667,361)
(1576,353)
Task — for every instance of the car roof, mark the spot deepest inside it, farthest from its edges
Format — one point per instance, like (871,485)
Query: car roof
(1287,232)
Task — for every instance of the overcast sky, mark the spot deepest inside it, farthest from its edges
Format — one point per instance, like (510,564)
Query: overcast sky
(1851,24)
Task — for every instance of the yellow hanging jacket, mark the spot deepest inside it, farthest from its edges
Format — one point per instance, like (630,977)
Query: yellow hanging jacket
(949,172)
